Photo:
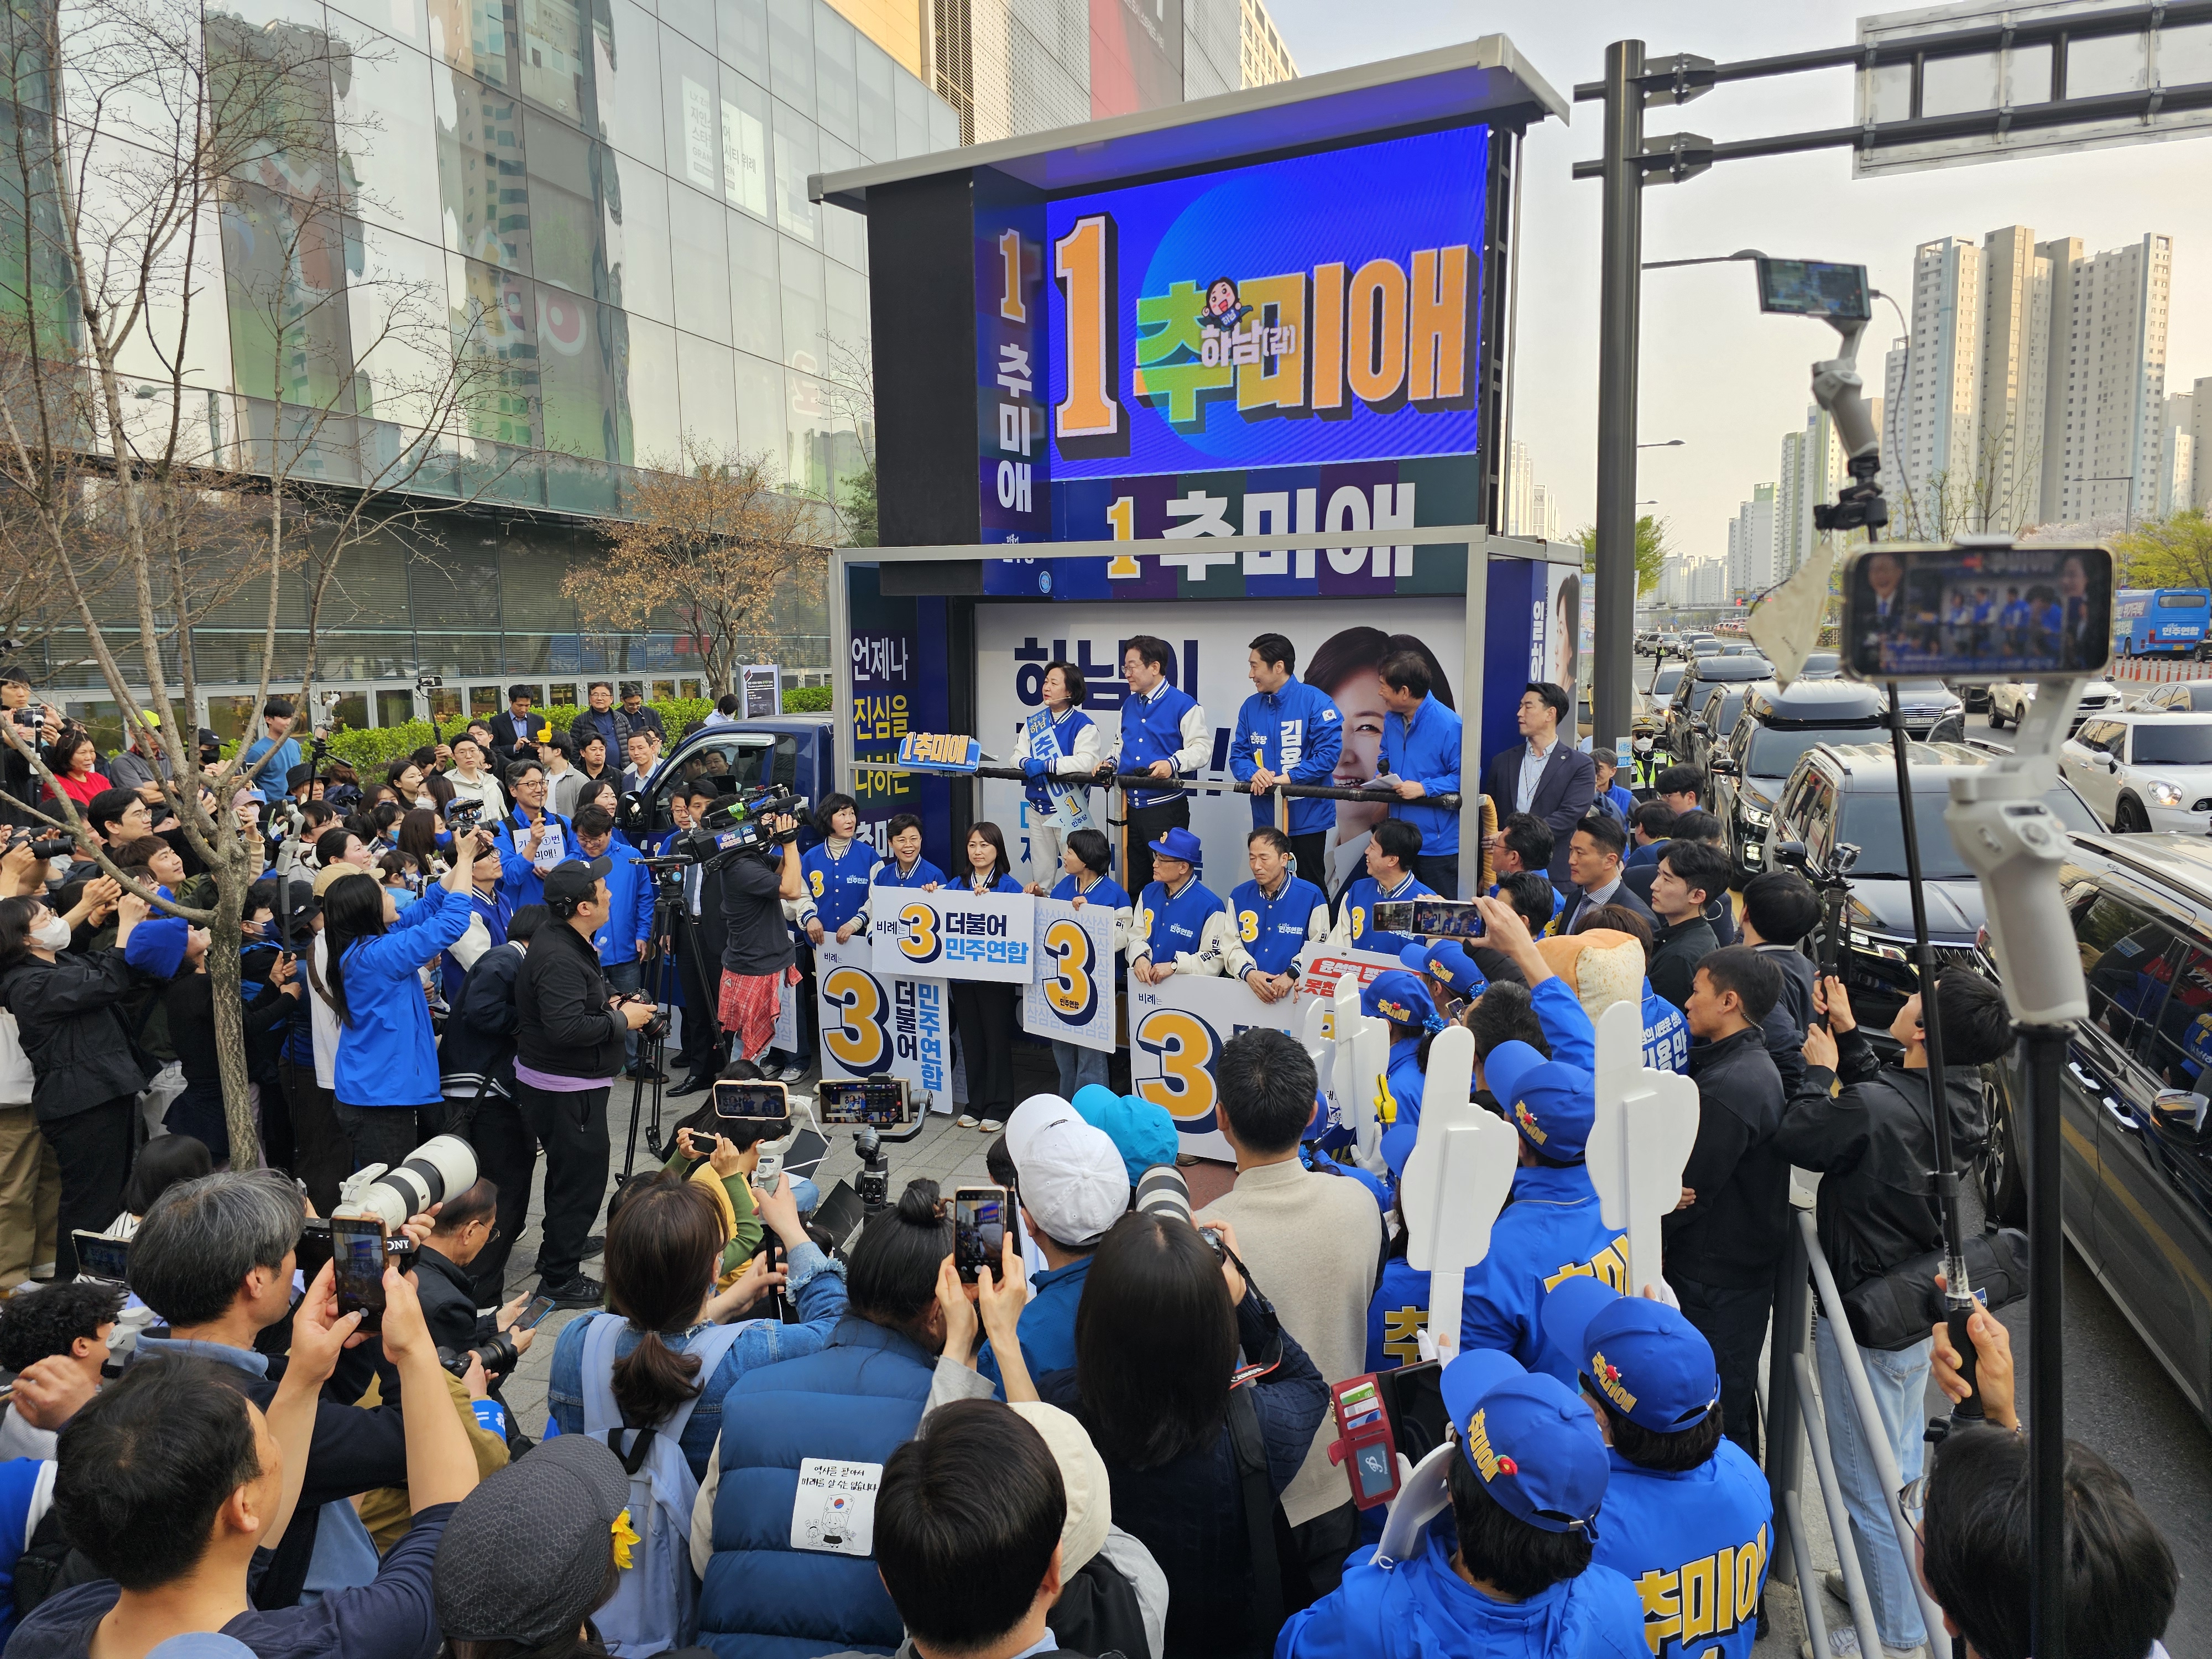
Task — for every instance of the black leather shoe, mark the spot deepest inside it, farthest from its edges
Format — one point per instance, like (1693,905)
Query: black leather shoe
(582,1291)
(691,1085)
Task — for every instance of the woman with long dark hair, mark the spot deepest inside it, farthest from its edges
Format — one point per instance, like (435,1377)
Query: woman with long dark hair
(86,1071)
(74,759)
(663,1344)
(419,838)
(1157,1337)
(983,1014)
(364,970)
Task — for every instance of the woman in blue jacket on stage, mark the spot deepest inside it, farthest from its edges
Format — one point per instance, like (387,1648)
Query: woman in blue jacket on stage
(983,1010)
(387,1057)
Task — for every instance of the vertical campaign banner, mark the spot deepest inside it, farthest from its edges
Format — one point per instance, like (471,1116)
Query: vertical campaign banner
(1013,474)
(954,933)
(876,1024)
(885,666)
(1177,1029)
(921,1038)
(1070,999)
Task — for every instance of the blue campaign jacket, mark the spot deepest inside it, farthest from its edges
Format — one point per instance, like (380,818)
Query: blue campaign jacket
(1549,1230)
(1426,749)
(1047,1327)
(1273,930)
(1405,1080)
(1171,924)
(836,887)
(1151,730)
(1695,1546)
(857,1400)
(1396,1315)
(629,908)
(519,878)
(1297,733)
(1666,1033)
(923,873)
(387,1054)
(1360,899)
(1422,1609)
(1066,729)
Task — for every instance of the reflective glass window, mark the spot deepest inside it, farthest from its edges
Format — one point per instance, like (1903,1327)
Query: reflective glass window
(791,52)
(690,107)
(649,376)
(878,126)
(700,246)
(805,316)
(639,279)
(741,36)
(473,36)
(265,291)
(556,53)
(837,105)
(797,155)
(706,384)
(844,232)
(387,141)
(629,56)
(746,162)
(481,182)
(944,124)
(847,292)
(580,374)
(693,19)
(567,232)
(397,310)
(756,298)
(760,406)
(494,327)
(823,449)
(911,102)
(404,19)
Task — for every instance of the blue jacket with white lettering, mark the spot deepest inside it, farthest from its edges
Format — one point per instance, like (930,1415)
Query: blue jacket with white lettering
(1666,1033)
(856,1402)
(1355,926)
(1172,925)
(1550,1228)
(888,874)
(1296,733)
(1271,931)
(1423,1609)
(1695,1544)
(836,886)
(1426,750)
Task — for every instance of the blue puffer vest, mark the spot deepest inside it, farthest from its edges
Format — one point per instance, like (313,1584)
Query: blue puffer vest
(857,1400)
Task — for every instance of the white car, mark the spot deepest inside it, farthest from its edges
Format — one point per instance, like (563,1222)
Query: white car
(2143,771)
(2008,701)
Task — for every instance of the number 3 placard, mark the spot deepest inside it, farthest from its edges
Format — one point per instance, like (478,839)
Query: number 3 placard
(1177,1029)
(1071,998)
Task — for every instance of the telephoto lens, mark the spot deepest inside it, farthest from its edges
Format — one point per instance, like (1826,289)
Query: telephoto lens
(1161,1190)
(441,1167)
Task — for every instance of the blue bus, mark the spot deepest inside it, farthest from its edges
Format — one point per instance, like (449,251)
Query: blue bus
(2163,622)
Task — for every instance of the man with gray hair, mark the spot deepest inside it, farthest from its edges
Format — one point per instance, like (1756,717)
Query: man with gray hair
(214,1260)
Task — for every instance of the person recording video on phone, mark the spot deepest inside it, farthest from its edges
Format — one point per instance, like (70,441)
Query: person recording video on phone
(569,1038)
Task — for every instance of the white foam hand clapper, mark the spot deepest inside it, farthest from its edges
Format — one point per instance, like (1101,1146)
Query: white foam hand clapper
(1456,1182)
(1646,1124)
(1362,1062)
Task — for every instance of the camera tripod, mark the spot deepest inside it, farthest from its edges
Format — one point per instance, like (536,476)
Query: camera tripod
(653,1037)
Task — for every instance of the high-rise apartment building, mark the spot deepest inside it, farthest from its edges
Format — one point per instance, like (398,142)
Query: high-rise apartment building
(2105,420)
(2200,444)
(1544,511)
(1930,386)
(1520,490)
(1751,566)
(2005,484)
(2176,475)
(1265,58)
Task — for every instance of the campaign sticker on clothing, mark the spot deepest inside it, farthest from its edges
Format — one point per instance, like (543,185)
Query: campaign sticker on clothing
(834,1510)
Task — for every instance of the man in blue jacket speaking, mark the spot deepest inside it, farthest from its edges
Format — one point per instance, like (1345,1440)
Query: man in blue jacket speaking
(1288,732)
(1421,758)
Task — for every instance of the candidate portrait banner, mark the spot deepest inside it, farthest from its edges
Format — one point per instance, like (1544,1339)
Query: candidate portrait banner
(1072,997)
(1177,1029)
(883,1024)
(954,933)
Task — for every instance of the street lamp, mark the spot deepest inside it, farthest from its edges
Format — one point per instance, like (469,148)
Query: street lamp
(2127,521)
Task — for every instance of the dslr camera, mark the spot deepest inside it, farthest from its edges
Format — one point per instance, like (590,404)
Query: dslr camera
(463,816)
(742,826)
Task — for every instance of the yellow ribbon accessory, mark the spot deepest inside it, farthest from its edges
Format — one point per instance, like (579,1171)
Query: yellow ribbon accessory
(624,1537)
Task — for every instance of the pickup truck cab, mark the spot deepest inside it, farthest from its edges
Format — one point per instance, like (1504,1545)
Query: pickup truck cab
(796,750)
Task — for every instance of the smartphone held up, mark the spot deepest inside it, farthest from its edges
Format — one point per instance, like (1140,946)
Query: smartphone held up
(1999,612)
(979,1230)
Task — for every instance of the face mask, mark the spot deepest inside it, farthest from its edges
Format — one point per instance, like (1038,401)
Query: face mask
(51,934)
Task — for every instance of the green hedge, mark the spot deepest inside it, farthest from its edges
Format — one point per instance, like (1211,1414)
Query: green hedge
(806,700)
(371,748)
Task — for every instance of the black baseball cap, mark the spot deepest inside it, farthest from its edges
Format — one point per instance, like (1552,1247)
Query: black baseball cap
(574,881)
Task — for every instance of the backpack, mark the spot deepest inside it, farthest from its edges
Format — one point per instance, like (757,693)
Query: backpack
(656,1605)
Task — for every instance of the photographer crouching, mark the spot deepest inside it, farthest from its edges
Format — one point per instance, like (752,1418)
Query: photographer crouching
(758,956)
(569,1036)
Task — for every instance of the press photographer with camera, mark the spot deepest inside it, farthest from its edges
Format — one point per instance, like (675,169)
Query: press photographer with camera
(569,1034)
(476,1061)
(467,1225)
(758,957)
(30,725)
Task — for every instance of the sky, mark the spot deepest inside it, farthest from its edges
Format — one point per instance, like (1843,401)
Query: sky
(1715,373)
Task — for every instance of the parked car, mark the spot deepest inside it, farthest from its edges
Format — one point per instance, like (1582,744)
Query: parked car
(1704,647)
(1845,795)
(1690,693)
(2141,772)
(2008,701)
(1720,715)
(1777,727)
(1925,702)
(1822,666)
(2136,1168)
(2184,696)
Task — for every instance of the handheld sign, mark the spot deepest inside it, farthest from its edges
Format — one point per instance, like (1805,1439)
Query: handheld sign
(1456,1182)
(940,751)
(1646,1124)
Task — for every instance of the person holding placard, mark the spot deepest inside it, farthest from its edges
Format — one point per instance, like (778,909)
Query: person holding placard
(983,1013)
(1179,928)
(837,871)
(1391,852)
(1058,751)
(1272,916)
(1086,856)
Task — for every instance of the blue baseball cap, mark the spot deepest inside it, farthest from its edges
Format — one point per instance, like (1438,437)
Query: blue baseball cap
(1141,1132)
(1400,997)
(1641,1357)
(1447,960)
(1179,843)
(1534,1444)
(1551,1105)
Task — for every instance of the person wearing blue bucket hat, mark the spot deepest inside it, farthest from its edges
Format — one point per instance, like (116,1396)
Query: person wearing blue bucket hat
(1181,926)
(1687,1514)
(1451,973)
(1141,1131)
(1515,1574)
(1551,1227)
(1401,998)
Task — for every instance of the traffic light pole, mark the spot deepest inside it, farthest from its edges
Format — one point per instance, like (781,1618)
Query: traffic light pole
(1621,277)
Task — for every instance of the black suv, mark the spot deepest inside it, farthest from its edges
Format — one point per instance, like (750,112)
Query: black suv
(2136,1170)
(1846,796)
(1776,729)
(1676,736)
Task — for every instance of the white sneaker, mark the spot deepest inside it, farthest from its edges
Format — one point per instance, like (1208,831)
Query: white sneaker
(991,1126)
(965,1120)
(1843,1644)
